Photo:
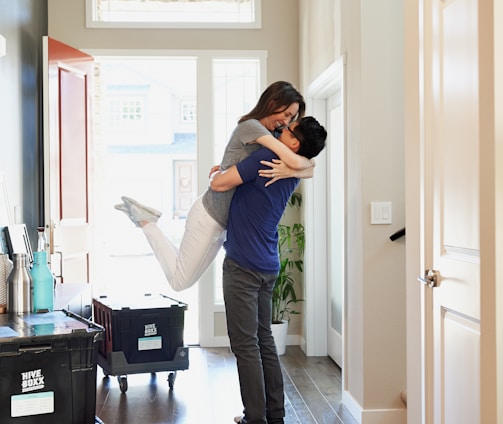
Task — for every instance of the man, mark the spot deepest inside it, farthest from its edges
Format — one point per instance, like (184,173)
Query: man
(251,266)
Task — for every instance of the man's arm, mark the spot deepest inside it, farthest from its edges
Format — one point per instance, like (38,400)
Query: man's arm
(278,170)
(225,180)
(293,160)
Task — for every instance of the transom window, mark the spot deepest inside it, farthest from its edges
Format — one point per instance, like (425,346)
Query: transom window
(173,13)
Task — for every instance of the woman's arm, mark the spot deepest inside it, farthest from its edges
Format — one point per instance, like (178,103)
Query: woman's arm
(293,160)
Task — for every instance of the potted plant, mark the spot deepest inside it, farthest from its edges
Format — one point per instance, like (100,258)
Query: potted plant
(284,296)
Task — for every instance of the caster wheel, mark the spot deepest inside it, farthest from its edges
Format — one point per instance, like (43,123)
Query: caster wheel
(171,379)
(122,383)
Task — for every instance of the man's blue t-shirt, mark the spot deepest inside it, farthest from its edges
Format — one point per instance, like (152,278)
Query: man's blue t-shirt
(254,214)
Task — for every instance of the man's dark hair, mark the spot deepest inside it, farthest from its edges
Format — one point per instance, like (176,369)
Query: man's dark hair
(276,98)
(312,136)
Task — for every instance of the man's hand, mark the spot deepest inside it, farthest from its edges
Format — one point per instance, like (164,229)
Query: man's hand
(225,180)
(214,169)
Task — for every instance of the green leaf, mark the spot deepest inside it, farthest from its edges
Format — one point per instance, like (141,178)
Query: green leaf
(291,240)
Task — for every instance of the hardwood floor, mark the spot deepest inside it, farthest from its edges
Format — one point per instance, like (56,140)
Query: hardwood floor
(208,392)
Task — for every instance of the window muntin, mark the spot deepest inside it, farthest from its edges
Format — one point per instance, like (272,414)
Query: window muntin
(173,14)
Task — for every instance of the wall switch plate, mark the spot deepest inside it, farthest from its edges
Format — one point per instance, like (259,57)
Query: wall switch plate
(380,213)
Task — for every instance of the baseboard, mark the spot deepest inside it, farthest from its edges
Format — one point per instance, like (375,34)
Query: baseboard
(292,340)
(352,406)
(373,416)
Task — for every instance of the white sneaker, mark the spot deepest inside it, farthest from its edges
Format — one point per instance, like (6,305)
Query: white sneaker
(138,212)
(123,208)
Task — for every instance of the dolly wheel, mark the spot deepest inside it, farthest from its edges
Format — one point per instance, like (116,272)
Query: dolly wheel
(122,383)
(171,379)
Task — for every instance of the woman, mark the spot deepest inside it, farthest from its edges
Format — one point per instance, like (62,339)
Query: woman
(278,106)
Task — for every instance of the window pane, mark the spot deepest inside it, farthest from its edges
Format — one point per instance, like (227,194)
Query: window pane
(236,90)
(241,12)
(144,147)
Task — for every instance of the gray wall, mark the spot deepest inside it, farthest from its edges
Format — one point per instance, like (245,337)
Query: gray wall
(369,34)
(22,23)
(279,35)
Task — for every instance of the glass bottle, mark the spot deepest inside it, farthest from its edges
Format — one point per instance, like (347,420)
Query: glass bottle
(43,284)
(42,240)
(19,286)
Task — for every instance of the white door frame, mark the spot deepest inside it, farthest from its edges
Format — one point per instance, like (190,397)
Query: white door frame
(316,218)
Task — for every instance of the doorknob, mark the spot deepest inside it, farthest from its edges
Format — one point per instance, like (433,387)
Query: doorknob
(430,279)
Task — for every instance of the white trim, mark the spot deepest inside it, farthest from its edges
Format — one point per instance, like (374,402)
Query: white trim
(329,81)
(373,416)
(218,341)
(316,266)
(174,53)
(352,406)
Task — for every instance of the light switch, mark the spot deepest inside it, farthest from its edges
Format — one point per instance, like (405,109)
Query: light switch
(380,213)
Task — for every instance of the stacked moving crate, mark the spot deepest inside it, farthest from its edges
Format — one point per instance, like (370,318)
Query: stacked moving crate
(48,368)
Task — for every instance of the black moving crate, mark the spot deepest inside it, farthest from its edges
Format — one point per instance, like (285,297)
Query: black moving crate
(48,368)
(142,334)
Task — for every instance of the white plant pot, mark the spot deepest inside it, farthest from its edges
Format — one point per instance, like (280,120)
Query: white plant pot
(279,332)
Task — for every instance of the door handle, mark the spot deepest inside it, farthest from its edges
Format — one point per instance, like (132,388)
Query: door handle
(431,278)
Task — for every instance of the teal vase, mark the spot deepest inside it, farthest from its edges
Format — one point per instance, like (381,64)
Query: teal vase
(43,284)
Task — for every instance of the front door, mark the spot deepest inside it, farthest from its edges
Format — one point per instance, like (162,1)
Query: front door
(451,254)
(67,75)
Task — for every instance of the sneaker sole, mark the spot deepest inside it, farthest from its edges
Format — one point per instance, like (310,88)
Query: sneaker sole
(152,211)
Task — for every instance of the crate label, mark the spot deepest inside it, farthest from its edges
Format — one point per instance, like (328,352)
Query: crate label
(32,380)
(150,343)
(32,404)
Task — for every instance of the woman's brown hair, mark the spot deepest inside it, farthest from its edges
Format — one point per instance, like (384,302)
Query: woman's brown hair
(275,99)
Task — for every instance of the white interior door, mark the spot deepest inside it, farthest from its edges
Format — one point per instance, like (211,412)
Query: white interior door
(451,233)
(336,238)
(324,221)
